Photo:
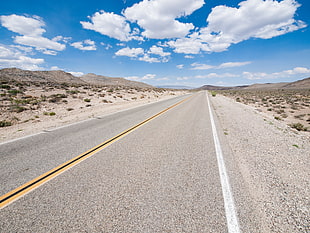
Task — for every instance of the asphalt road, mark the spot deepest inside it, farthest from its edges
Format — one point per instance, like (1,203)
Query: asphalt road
(162,177)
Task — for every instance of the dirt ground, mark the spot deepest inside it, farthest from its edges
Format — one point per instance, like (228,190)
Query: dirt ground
(30,109)
(289,106)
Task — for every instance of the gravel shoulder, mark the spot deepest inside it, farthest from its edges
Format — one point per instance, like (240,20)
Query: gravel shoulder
(273,161)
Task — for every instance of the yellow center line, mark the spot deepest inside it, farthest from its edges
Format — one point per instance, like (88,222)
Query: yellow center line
(13,195)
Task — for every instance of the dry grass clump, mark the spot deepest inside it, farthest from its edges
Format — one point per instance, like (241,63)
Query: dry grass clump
(290,106)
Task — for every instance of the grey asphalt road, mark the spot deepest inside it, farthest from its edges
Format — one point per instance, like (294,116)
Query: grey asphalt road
(162,177)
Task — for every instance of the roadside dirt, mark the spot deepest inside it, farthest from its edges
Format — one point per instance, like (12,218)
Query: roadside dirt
(273,160)
(30,109)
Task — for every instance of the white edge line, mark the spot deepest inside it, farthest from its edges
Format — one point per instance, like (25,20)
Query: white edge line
(79,122)
(231,216)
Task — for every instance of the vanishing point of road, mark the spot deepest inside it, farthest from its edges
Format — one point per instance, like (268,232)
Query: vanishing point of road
(156,168)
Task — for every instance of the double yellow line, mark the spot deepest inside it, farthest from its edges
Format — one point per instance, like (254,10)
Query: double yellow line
(31,185)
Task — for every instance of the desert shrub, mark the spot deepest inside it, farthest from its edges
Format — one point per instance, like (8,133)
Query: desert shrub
(298,126)
(87,100)
(72,92)
(17,108)
(5,86)
(213,93)
(52,113)
(5,123)
(14,92)
(70,109)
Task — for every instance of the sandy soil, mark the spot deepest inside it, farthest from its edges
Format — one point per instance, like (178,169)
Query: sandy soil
(273,160)
(289,106)
(37,108)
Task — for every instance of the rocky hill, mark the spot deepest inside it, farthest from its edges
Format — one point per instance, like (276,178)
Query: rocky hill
(108,81)
(58,77)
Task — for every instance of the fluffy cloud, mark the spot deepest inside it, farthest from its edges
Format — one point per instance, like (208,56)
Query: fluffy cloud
(181,66)
(197,66)
(30,29)
(84,45)
(158,51)
(109,24)
(229,25)
(23,25)
(13,57)
(40,43)
(141,55)
(158,17)
(134,52)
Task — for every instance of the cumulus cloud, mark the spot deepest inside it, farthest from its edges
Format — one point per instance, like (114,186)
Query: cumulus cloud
(297,71)
(229,25)
(23,25)
(13,57)
(153,55)
(181,66)
(158,17)
(130,52)
(198,66)
(109,24)
(84,45)
(158,51)
(31,30)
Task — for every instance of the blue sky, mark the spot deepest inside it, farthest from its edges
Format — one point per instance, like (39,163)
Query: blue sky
(160,42)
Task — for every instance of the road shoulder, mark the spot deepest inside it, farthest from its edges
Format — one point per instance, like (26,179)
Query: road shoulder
(274,167)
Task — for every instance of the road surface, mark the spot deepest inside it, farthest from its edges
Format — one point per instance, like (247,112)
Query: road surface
(162,177)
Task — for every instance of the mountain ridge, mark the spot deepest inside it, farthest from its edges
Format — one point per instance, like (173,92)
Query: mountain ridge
(61,77)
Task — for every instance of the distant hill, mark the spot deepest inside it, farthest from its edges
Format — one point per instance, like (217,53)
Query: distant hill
(58,76)
(108,81)
(300,84)
(212,88)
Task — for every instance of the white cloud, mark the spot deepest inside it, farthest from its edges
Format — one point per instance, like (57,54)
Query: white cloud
(143,78)
(84,45)
(23,25)
(77,74)
(149,59)
(216,75)
(109,24)
(130,52)
(142,55)
(158,51)
(12,57)
(181,66)
(229,25)
(188,56)
(158,17)
(40,43)
(297,71)
(198,66)
(30,29)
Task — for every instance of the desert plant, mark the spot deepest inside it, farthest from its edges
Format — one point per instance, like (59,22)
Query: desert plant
(298,126)
(87,100)
(5,123)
